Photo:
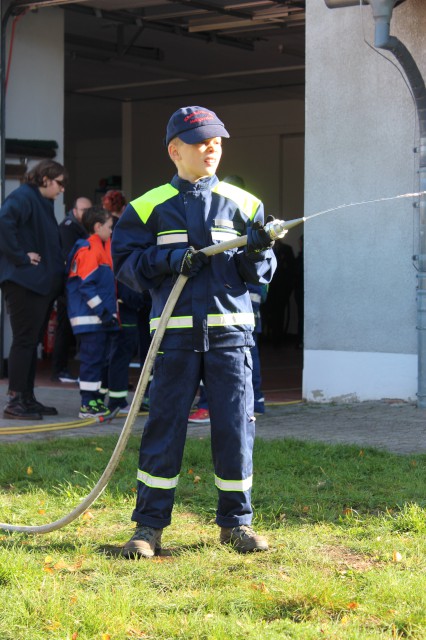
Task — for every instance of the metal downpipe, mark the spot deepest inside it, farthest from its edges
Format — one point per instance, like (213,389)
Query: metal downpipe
(418,88)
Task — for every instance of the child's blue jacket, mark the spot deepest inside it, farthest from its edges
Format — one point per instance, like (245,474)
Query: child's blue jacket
(91,292)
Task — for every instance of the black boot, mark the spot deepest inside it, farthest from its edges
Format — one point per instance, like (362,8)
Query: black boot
(18,409)
(34,405)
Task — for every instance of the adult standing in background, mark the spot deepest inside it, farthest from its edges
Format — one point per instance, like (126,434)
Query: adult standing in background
(31,276)
(70,230)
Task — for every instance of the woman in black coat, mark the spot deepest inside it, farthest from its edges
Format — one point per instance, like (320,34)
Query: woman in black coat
(31,276)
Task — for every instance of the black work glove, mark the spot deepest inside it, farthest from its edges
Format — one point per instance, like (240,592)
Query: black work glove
(108,320)
(187,262)
(258,239)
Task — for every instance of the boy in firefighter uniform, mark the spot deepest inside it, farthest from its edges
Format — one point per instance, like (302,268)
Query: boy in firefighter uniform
(209,335)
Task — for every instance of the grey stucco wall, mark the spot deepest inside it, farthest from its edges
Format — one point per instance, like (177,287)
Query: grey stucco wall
(360,131)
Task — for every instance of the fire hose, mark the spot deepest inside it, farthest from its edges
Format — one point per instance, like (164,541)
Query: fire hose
(276,229)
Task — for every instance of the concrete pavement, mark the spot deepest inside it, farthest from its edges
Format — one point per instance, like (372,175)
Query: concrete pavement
(397,427)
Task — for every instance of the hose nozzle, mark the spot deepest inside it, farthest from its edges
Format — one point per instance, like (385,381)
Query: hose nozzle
(278,228)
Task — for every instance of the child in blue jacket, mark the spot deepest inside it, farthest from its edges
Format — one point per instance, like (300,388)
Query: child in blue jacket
(92,306)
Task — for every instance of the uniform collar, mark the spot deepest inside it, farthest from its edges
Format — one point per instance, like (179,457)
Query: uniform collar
(185,186)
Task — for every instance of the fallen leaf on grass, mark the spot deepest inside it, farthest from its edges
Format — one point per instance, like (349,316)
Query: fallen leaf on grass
(353,605)
(29,471)
(42,512)
(53,625)
(98,449)
(197,479)
(260,587)
(106,636)
(51,567)
(74,635)
(396,556)
(284,576)
(87,515)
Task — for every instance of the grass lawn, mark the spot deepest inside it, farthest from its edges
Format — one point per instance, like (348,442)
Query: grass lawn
(347,555)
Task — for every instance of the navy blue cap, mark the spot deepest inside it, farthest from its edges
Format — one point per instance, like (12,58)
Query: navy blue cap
(194,124)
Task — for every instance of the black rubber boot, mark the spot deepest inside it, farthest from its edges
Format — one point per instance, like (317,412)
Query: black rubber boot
(18,409)
(34,405)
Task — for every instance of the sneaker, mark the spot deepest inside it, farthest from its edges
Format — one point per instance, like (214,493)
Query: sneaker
(93,409)
(145,543)
(201,416)
(101,404)
(66,377)
(243,539)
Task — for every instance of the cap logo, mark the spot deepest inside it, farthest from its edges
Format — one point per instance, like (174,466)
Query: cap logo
(198,116)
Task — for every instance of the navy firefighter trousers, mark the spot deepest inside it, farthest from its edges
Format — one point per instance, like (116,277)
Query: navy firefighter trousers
(227,375)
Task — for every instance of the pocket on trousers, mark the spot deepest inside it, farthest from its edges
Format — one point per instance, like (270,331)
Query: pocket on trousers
(249,395)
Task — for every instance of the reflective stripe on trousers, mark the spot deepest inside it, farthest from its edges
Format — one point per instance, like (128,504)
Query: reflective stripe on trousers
(227,374)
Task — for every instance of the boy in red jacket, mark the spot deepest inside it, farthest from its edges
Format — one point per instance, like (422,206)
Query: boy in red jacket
(92,306)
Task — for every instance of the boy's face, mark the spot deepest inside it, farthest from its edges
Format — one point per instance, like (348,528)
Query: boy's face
(104,230)
(195,161)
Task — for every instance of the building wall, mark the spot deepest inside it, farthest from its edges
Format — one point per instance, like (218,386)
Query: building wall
(360,281)
(35,92)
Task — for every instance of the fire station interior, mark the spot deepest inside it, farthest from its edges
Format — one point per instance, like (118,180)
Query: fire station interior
(214,53)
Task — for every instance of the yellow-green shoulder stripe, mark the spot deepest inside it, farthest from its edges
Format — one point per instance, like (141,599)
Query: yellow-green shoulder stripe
(246,202)
(145,204)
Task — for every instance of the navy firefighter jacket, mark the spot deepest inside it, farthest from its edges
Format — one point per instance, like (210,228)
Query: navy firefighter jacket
(214,309)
